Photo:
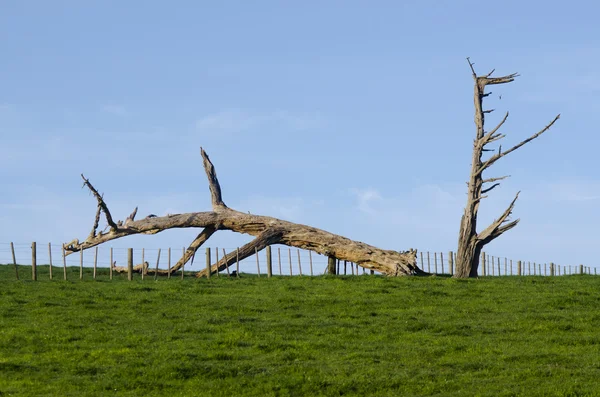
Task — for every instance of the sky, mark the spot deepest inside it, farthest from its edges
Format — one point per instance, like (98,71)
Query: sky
(351,116)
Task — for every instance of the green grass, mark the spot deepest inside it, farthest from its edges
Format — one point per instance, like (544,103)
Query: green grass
(294,336)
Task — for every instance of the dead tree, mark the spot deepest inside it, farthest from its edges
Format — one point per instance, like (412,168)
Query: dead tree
(470,243)
(267,231)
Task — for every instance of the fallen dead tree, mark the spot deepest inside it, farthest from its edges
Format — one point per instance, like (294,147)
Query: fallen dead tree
(267,231)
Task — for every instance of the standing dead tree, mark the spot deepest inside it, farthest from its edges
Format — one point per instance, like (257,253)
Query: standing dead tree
(267,231)
(470,243)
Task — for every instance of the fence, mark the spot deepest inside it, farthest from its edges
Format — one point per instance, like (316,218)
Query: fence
(276,260)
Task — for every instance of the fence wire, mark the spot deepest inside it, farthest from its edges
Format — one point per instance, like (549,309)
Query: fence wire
(286,261)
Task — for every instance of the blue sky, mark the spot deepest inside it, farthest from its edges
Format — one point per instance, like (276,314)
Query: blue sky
(352,116)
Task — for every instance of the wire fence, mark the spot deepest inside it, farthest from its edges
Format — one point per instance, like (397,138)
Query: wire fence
(283,261)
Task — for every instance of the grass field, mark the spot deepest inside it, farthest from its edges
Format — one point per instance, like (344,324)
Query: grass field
(295,336)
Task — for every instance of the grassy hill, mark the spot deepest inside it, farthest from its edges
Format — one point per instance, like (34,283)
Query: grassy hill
(293,336)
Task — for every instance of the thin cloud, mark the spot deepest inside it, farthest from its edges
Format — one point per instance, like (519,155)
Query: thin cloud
(365,199)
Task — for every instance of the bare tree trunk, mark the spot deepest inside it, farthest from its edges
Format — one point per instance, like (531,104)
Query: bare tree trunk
(470,243)
(267,231)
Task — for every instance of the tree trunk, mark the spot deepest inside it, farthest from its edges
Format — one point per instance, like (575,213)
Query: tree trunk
(470,243)
(267,230)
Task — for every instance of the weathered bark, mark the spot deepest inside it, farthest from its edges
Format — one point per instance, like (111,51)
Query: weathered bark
(267,231)
(470,243)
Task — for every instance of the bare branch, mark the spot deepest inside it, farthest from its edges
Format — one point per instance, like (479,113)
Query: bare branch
(478,199)
(131,216)
(498,156)
(487,137)
(495,138)
(487,80)
(472,69)
(96,222)
(268,237)
(213,182)
(488,111)
(190,252)
(496,228)
(489,188)
(101,203)
(495,179)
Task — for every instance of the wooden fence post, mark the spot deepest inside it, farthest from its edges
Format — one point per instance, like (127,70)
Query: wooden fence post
(64,264)
(279,259)
(551,269)
(208,263)
(156,270)
(95,261)
(442,261)
(257,261)
(331,265)
(169,263)
(129,264)
(299,263)
(519,268)
(290,258)
(511,267)
(580,269)
(12,249)
(50,258)
(345,267)
(226,266)
(310,261)
(483,263)
(505,266)
(217,259)
(451,262)
(498,262)
(528,268)
(428,263)
(110,272)
(435,262)
(81,264)
(422,264)
(269,262)
(33,261)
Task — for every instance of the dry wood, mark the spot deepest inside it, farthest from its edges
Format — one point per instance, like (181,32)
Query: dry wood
(267,231)
(95,262)
(34,261)
(50,258)
(12,250)
(65,264)
(470,242)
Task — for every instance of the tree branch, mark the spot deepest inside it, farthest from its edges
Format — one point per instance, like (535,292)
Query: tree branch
(486,138)
(498,156)
(213,182)
(486,190)
(266,238)
(495,179)
(267,230)
(101,203)
(497,228)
